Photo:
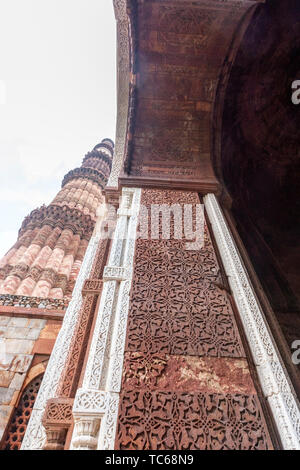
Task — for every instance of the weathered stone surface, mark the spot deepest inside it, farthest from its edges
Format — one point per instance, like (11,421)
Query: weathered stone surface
(16,332)
(5,412)
(6,395)
(18,322)
(36,323)
(4,320)
(51,330)
(179,52)
(187,373)
(5,378)
(17,381)
(33,333)
(43,346)
(16,346)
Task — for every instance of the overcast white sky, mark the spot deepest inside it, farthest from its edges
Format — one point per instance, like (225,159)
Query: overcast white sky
(57,97)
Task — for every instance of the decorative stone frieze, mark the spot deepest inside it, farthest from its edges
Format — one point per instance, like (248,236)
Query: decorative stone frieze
(59,216)
(33,302)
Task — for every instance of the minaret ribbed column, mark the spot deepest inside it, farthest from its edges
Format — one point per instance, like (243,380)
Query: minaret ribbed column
(45,260)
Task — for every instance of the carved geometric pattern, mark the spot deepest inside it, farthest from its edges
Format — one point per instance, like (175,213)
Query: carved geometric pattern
(75,358)
(156,196)
(21,415)
(180,306)
(178,303)
(91,290)
(90,400)
(186,421)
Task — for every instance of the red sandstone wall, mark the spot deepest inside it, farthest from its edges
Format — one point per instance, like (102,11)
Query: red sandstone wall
(186,376)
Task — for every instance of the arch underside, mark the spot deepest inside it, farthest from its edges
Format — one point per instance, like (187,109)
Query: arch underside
(209,108)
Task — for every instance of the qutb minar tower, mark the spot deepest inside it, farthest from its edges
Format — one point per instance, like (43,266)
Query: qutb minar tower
(52,240)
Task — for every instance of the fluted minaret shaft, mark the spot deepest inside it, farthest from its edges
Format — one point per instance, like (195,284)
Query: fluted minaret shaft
(52,240)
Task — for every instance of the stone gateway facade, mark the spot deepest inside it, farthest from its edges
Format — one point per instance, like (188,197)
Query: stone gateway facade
(151,305)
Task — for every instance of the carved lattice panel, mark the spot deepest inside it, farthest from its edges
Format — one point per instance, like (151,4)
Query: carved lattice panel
(186,380)
(178,304)
(180,421)
(21,415)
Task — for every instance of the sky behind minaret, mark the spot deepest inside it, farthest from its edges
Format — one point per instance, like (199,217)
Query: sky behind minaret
(57,98)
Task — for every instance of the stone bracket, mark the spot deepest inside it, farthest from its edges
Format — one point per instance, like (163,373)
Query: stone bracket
(58,412)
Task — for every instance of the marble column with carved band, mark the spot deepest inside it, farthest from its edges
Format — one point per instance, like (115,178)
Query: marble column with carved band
(45,260)
(96,401)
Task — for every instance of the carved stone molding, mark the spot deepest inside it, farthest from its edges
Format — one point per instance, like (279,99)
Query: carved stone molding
(86,429)
(59,216)
(123,72)
(271,370)
(99,395)
(87,173)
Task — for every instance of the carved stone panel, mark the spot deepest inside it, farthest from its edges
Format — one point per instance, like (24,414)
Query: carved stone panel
(170,420)
(178,302)
(186,379)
